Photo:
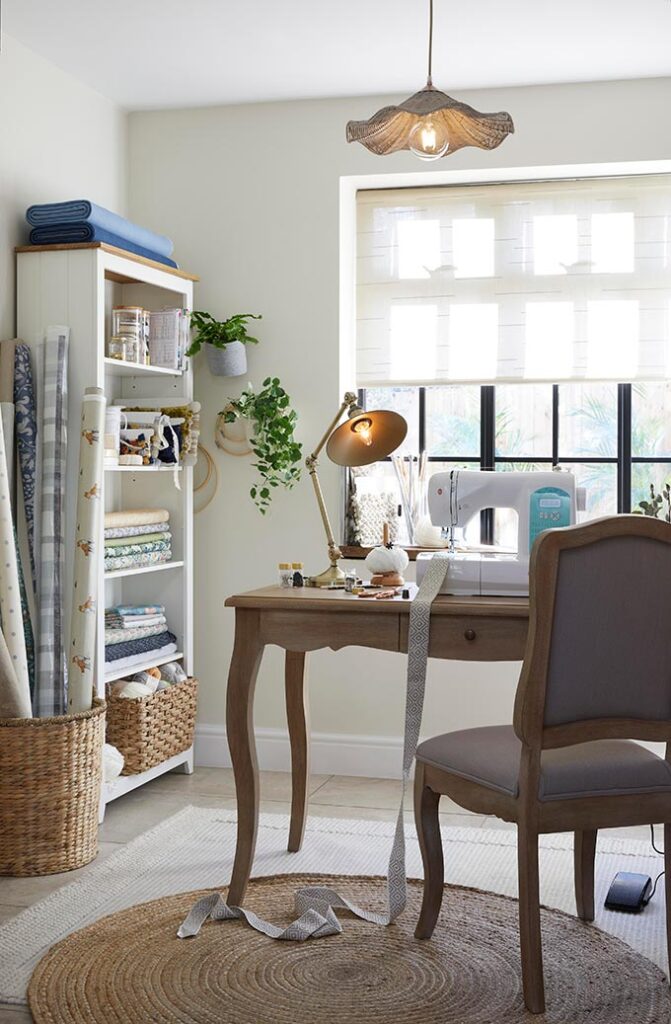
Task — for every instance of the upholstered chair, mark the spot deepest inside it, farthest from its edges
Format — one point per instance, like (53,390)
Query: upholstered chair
(596,677)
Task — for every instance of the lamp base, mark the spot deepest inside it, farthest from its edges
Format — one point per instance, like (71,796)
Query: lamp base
(327,578)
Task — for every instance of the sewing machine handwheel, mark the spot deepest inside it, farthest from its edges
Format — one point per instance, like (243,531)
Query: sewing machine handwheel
(469,634)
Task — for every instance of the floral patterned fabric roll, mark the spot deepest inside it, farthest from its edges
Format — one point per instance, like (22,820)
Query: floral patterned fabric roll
(81,649)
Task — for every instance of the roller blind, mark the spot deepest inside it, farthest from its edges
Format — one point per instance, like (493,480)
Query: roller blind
(541,281)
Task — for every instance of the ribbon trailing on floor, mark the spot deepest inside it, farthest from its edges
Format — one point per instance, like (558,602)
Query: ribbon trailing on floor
(316,905)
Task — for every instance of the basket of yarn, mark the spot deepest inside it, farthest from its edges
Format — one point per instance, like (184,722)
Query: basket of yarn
(151,716)
(50,778)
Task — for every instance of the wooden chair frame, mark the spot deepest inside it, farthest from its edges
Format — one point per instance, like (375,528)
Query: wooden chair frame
(583,816)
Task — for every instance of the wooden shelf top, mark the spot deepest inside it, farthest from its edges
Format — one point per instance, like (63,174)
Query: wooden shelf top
(133,257)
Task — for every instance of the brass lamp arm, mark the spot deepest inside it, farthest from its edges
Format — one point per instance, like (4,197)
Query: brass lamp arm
(348,401)
(333,574)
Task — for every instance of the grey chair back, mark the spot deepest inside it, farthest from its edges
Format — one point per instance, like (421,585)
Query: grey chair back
(599,649)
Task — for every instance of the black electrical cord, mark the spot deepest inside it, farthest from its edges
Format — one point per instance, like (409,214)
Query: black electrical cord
(661,853)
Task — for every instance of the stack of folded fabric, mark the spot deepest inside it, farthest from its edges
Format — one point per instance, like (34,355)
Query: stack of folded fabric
(79,220)
(135,633)
(137,537)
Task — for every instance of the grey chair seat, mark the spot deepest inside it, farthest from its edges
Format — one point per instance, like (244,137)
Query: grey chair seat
(490,756)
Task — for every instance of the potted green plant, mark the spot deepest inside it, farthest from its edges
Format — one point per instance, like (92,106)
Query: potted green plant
(272,441)
(224,341)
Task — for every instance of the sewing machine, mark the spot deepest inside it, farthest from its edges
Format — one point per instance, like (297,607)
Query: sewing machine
(541,500)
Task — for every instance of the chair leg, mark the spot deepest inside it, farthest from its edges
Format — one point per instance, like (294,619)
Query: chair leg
(530,921)
(667,888)
(584,850)
(430,843)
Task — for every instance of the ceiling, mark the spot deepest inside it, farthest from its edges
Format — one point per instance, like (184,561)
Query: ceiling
(176,53)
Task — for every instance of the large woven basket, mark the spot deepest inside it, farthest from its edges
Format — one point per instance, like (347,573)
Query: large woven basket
(149,730)
(50,777)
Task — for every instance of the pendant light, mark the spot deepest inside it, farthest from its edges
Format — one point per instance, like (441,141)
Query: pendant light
(430,123)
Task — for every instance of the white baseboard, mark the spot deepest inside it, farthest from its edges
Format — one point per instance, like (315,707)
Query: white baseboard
(372,757)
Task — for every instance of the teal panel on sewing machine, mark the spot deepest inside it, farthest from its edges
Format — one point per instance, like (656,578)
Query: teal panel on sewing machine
(548,507)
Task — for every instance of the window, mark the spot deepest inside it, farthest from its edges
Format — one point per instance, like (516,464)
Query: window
(615,438)
(522,325)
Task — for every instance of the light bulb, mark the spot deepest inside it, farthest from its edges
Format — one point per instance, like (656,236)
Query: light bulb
(363,429)
(428,139)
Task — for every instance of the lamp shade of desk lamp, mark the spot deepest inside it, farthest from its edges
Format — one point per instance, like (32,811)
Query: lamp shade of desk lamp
(365,437)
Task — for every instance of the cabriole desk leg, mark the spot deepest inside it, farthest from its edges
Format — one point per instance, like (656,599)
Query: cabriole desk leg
(299,727)
(247,653)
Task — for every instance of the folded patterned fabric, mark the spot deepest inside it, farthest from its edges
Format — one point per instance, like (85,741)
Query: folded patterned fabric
(83,211)
(144,659)
(133,621)
(136,517)
(134,561)
(136,609)
(137,549)
(136,538)
(120,636)
(129,648)
(121,532)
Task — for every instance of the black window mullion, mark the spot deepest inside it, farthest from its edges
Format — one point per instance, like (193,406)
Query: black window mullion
(555,424)
(624,447)
(422,419)
(487,453)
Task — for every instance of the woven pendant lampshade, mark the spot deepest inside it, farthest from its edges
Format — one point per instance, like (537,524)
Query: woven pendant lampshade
(430,123)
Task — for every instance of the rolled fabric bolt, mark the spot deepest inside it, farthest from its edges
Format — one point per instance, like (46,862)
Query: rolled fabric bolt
(81,649)
(14,679)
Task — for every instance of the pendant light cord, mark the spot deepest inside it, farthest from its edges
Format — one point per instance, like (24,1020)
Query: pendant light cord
(429,81)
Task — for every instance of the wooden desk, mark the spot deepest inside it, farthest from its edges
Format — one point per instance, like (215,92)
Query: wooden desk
(301,620)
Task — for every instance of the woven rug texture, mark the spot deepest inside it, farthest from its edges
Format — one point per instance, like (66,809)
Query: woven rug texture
(194,849)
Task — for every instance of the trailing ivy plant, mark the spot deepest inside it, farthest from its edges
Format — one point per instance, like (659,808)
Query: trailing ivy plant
(273,443)
(219,333)
(656,504)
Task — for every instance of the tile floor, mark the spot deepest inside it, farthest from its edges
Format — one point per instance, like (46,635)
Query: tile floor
(331,796)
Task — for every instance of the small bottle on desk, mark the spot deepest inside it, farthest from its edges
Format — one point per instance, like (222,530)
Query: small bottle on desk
(298,580)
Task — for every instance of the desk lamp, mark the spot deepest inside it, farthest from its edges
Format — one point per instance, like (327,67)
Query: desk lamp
(365,437)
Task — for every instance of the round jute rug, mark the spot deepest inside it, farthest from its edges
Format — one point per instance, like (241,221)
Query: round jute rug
(131,968)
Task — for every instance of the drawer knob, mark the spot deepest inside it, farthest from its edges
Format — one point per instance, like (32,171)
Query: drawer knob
(469,634)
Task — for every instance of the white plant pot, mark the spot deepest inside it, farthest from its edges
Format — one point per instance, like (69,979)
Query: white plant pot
(227,362)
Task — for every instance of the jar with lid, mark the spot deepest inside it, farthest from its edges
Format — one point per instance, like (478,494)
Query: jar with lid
(128,322)
(286,574)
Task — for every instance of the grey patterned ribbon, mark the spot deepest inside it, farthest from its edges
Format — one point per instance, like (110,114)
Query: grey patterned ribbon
(316,905)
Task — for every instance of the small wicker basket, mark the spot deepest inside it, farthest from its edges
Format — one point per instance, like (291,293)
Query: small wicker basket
(50,777)
(149,730)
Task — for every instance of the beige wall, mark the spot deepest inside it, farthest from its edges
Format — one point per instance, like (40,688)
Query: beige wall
(59,140)
(250,196)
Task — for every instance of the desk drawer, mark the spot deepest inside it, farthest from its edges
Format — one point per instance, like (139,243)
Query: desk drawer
(474,638)
(310,631)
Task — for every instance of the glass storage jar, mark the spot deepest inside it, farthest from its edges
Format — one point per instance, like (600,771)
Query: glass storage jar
(116,347)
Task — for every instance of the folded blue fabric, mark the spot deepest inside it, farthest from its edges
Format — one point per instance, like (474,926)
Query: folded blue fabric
(60,234)
(81,211)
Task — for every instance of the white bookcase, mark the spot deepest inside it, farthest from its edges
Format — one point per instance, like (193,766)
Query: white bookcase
(77,286)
